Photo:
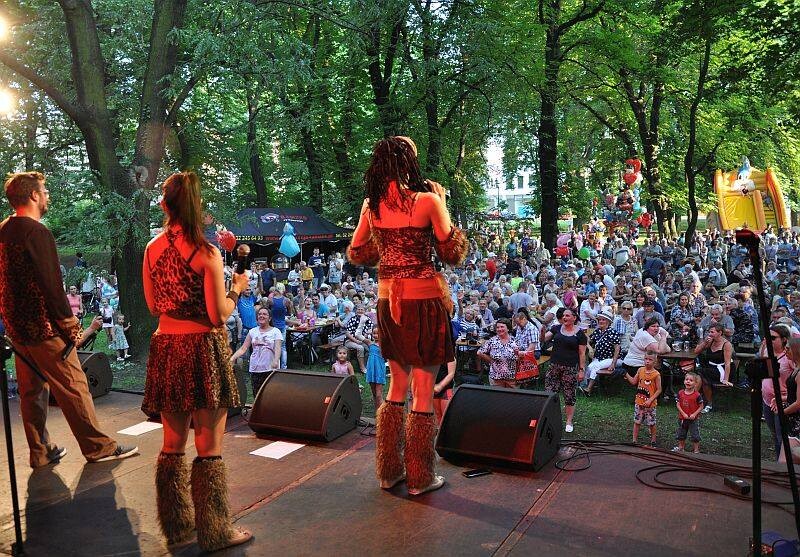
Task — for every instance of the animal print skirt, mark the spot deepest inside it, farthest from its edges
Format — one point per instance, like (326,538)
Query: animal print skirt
(186,372)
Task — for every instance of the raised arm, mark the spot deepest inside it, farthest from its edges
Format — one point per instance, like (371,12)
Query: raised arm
(362,231)
(361,251)
(434,203)
(218,304)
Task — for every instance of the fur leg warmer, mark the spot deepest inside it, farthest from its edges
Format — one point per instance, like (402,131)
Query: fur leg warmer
(210,496)
(420,456)
(173,500)
(389,444)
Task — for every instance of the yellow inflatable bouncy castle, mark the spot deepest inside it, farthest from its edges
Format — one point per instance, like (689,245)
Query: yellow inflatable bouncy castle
(750,199)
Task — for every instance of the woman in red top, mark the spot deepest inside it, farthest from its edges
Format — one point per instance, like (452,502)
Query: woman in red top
(400,217)
(189,374)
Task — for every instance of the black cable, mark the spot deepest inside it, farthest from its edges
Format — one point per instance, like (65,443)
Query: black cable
(664,485)
(671,462)
(585,452)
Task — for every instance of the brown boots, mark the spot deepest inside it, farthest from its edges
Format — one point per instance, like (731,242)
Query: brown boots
(212,515)
(420,455)
(389,444)
(209,492)
(418,466)
(175,512)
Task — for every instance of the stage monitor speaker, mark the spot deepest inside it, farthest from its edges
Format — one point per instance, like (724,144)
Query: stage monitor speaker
(98,372)
(305,404)
(505,427)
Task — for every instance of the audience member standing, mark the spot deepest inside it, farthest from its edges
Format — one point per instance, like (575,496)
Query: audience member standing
(246,306)
(317,265)
(567,361)
(501,353)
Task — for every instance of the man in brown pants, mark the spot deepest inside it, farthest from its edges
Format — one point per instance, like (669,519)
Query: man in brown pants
(44,331)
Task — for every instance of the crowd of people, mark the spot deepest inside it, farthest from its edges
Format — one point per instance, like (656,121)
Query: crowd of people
(603,315)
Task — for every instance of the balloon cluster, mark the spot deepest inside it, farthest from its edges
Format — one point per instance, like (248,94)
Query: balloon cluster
(562,245)
(632,179)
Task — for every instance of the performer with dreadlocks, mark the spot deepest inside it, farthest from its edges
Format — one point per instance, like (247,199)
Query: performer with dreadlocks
(401,216)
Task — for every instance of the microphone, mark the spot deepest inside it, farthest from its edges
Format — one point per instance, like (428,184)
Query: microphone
(242,252)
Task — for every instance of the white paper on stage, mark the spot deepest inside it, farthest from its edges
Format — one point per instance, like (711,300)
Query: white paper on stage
(140,428)
(278,449)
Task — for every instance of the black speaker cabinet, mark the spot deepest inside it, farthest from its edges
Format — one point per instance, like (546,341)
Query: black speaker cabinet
(98,372)
(305,404)
(505,427)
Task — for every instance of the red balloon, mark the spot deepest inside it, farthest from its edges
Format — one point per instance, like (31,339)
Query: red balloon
(226,240)
(629,178)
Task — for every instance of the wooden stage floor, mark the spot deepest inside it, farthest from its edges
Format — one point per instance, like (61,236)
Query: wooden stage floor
(324,500)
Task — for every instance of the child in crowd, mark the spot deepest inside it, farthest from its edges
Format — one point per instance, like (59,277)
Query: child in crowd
(342,365)
(120,342)
(376,368)
(648,386)
(107,314)
(690,405)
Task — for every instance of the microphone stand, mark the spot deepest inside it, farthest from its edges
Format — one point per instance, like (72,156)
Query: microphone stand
(759,369)
(17,547)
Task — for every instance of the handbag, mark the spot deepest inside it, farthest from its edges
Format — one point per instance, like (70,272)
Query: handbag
(527,366)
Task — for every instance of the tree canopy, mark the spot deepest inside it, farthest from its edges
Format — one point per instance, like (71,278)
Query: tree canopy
(279,103)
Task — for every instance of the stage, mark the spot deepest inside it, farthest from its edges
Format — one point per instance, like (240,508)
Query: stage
(323,499)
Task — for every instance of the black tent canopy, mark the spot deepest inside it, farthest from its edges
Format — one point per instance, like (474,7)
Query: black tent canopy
(261,225)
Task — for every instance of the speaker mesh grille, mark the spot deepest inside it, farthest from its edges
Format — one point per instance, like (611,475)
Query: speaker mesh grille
(492,423)
(295,401)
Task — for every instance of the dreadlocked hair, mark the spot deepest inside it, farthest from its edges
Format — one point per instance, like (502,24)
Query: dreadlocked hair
(393,160)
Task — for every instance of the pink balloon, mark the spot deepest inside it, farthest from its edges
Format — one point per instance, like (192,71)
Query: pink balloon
(563,240)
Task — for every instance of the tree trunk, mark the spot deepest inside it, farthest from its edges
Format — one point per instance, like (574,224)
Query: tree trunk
(548,138)
(381,77)
(184,147)
(341,140)
(689,167)
(101,132)
(256,169)
(549,17)
(431,78)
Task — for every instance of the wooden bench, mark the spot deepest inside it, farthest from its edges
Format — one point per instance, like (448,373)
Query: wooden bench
(326,351)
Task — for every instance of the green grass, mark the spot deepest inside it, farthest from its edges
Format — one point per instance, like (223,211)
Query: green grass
(608,415)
